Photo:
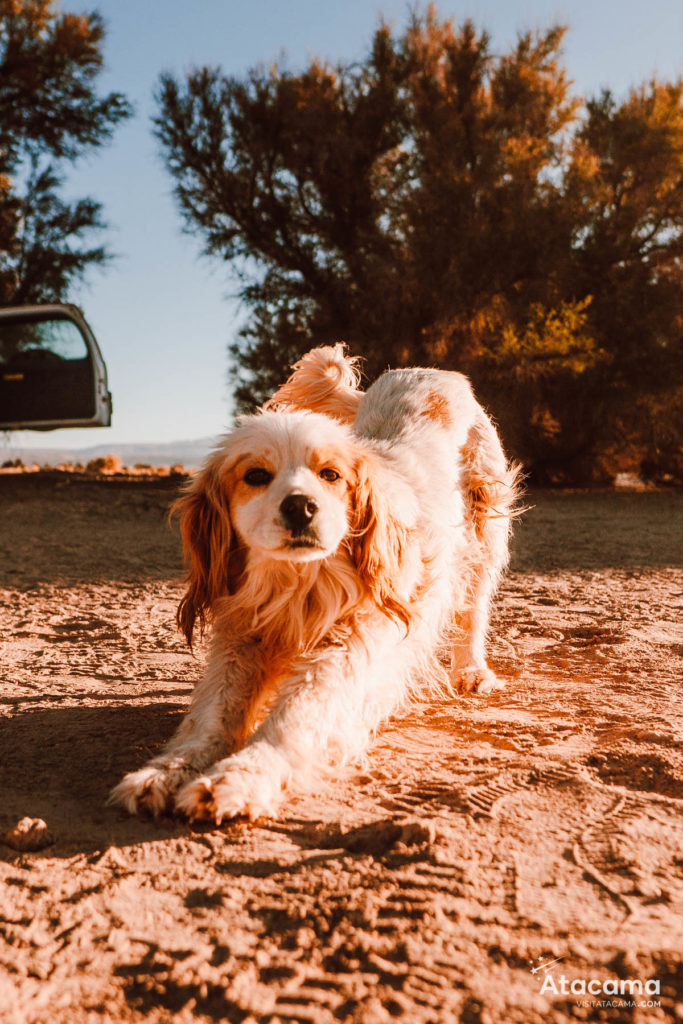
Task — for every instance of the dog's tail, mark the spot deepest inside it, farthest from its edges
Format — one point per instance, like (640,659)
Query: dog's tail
(493,487)
(325,380)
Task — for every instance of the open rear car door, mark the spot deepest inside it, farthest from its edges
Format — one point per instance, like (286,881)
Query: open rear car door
(52,373)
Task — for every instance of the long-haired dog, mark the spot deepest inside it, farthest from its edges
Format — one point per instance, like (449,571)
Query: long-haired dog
(344,547)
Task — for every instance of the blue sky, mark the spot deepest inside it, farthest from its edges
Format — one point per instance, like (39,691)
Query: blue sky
(162,314)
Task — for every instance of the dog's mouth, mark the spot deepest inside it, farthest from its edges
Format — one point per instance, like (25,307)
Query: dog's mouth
(302,542)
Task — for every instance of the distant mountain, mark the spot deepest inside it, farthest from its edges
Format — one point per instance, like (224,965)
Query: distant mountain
(190,454)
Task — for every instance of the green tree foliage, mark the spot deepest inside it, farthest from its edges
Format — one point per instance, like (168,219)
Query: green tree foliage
(441,204)
(50,114)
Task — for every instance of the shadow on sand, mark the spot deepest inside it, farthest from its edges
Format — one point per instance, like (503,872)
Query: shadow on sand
(59,764)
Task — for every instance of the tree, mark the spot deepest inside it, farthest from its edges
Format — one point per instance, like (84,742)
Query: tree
(627,175)
(439,204)
(50,114)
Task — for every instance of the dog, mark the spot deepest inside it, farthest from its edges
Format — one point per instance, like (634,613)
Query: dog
(344,548)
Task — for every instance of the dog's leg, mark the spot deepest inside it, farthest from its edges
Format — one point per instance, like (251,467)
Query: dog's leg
(220,718)
(324,717)
(490,488)
(470,672)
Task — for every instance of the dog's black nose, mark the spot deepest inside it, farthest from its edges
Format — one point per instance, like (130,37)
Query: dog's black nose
(297,510)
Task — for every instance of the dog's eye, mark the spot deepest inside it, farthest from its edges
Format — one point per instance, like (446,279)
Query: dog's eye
(329,474)
(257,477)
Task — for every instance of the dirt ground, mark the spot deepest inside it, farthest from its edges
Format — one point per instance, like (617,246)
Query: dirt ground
(483,834)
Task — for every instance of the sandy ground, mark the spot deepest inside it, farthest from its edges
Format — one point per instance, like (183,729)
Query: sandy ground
(545,821)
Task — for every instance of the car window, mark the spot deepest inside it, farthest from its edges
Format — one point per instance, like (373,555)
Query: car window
(49,339)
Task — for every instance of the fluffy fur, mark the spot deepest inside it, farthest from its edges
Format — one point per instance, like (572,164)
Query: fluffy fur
(344,547)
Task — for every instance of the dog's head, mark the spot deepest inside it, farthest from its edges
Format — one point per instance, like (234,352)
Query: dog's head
(287,487)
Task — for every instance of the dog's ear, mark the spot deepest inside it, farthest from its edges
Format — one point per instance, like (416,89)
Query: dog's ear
(378,540)
(208,546)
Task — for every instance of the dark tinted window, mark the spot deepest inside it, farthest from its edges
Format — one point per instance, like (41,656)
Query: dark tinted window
(46,370)
(21,340)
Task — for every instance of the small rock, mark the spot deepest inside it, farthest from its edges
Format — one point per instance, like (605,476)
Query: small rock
(648,888)
(28,834)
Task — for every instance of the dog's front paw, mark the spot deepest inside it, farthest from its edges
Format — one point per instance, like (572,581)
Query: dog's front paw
(145,792)
(230,790)
(474,679)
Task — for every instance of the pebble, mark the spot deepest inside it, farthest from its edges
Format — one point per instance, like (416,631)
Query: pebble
(28,834)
